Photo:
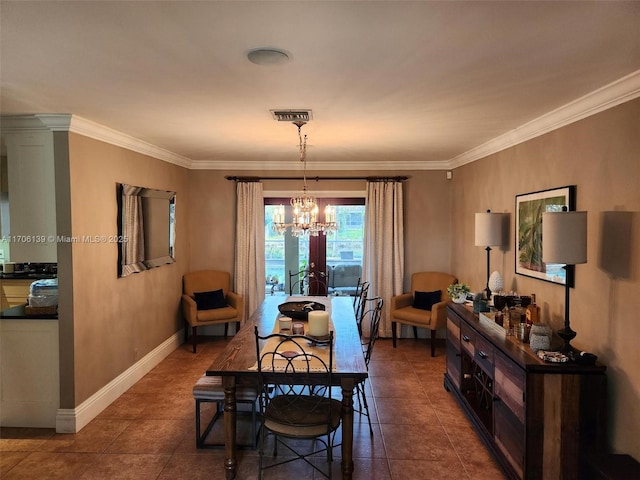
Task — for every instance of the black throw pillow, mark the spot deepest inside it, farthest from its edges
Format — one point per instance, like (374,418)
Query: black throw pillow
(426,300)
(210,300)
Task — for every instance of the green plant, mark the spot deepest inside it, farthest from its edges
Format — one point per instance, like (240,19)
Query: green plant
(456,289)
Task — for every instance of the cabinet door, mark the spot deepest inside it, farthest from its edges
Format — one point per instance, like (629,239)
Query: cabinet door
(509,411)
(453,351)
(32,200)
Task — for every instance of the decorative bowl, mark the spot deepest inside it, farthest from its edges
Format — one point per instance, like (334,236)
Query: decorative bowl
(299,310)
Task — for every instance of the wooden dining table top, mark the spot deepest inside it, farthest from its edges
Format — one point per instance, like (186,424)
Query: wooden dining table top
(240,355)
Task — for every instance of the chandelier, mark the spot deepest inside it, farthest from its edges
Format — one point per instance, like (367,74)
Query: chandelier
(305,207)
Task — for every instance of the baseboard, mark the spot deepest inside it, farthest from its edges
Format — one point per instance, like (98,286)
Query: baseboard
(74,419)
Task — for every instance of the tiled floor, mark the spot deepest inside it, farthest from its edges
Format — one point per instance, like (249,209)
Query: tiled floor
(149,432)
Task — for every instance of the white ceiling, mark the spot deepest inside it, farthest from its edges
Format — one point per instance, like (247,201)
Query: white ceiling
(392,84)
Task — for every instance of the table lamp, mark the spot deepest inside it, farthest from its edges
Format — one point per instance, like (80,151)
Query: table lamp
(564,240)
(488,234)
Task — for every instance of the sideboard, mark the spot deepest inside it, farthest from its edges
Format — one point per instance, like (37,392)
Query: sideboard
(540,420)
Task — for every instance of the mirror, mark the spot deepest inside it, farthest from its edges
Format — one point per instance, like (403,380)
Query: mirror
(146,228)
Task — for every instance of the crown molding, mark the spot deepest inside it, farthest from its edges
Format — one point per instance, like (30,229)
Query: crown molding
(21,123)
(96,131)
(622,90)
(319,166)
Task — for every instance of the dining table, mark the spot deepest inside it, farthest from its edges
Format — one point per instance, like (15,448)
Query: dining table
(236,365)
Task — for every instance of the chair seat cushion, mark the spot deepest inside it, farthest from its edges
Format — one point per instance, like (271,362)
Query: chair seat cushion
(302,415)
(226,313)
(412,316)
(426,300)
(210,300)
(210,388)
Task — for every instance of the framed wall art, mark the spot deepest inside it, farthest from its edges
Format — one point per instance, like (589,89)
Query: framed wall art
(528,238)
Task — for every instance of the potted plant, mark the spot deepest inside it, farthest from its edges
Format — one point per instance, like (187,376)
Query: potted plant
(458,292)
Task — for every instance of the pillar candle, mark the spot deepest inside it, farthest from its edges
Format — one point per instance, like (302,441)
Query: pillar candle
(318,323)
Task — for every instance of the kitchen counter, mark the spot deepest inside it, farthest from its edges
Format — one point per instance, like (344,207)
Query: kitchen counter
(18,313)
(27,276)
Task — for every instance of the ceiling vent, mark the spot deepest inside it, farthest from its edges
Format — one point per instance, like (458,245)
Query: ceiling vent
(299,115)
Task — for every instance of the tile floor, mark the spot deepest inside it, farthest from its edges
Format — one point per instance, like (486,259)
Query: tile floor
(149,432)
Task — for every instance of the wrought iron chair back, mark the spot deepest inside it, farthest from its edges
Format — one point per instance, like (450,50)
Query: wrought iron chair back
(309,282)
(360,305)
(372,312)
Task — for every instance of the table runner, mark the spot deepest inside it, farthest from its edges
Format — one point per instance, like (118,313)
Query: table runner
(320,351)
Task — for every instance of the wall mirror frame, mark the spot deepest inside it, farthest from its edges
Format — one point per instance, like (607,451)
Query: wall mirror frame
(146,228)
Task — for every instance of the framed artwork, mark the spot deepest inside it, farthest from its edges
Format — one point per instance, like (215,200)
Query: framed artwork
(528,248)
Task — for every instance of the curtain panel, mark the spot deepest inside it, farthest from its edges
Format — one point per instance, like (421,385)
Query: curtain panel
(383,265)
(249,274)
(133,230)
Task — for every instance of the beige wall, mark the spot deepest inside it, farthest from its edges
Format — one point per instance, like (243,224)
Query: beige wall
(601,156)
(427,203)
(116,321)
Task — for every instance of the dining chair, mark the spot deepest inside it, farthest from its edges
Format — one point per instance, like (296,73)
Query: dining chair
(372,311)
(360,305)
(295,397)
(309,281)
(356,294)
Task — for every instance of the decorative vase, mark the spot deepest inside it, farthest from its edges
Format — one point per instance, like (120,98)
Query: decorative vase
(540,337)
(480,306)
(496,284)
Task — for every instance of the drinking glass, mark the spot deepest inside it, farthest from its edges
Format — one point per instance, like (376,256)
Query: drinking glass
(499,301)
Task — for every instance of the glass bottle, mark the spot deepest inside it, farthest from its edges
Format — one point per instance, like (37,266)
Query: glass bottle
(532,313)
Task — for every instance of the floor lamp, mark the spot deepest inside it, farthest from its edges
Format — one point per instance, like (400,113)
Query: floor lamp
(488,234)
(564,240)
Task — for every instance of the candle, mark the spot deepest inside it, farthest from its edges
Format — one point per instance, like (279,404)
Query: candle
(298,328)
(318,323)
(285,324)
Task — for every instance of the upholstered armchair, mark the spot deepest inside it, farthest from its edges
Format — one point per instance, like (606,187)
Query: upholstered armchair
(424,306)
(207,300)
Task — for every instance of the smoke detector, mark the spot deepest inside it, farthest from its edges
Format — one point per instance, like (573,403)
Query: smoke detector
(268,56)
(299,115)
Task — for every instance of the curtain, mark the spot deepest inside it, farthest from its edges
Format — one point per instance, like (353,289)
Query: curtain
(249,275)
(383,262)
(133,230)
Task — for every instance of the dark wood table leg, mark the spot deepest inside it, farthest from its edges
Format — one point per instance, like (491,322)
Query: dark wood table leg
(347,428)
(230,460)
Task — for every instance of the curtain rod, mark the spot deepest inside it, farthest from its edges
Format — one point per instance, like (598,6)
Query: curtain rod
(368,179)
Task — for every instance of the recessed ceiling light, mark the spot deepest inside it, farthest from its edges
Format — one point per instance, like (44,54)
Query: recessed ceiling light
(267,56)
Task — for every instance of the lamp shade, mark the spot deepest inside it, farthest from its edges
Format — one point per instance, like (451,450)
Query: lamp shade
(564,237)
(488,229)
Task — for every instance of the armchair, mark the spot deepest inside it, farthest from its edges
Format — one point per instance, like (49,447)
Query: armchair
(427,309)
(207,300)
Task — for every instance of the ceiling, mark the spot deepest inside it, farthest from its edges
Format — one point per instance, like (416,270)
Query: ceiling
(392,85)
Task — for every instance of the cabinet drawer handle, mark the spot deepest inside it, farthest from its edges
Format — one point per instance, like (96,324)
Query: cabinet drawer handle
(482,355)
(465,338)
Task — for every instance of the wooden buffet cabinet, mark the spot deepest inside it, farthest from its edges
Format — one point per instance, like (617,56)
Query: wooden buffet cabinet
(540,420)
